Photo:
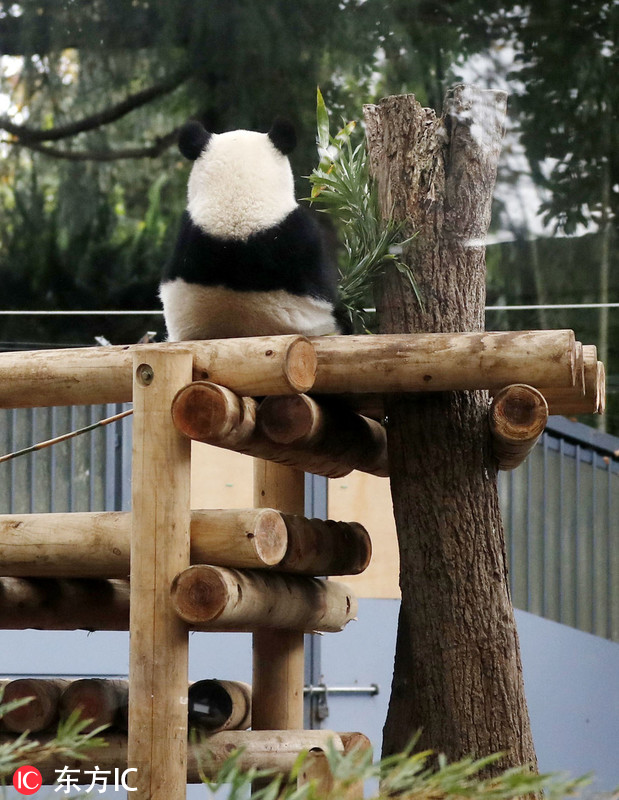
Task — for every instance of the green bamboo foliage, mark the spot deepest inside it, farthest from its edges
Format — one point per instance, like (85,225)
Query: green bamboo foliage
(342,187)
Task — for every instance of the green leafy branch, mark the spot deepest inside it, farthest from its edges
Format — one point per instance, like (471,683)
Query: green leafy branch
(407,776)
(342,187)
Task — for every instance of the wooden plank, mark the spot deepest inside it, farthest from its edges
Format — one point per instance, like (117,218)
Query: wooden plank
(278,656)
(217,598)
(97,544)
(158,655)
(276,750)
(89,375)
(436,362)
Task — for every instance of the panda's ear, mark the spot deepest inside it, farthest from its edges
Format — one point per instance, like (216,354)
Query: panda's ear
(192,139)
(283,135)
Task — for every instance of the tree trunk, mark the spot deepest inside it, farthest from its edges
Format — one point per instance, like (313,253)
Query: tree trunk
(458,674)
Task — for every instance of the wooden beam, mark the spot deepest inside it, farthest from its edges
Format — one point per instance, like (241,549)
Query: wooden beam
(97,544)
(276,750)
(278,655)
(326,426)
(158,645)
(101,700)
(436,362)
(64,605)
(518,416)
(42,710)
(89,375)
(217,598)
(212,414)
(589,400)
(325,547)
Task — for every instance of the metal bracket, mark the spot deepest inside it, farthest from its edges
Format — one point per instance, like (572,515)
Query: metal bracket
(321,691)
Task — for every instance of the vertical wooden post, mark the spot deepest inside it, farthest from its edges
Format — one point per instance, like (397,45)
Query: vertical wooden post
(278,663)
(157,745)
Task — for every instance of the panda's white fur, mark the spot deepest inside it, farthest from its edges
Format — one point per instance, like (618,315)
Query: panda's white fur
(214,312)
(233,198)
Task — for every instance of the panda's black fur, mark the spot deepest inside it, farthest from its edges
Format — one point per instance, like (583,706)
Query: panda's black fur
(261,263)
(248,260)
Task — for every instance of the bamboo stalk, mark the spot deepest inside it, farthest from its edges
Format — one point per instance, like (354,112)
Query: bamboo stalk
(99,700)
(278,655)
(214,415)
(64,605)
(433,362)
(96,544)
(80,376)
(216,705)
(160,543)
(216,598)
(276,750)
(351,440)
(41,712)
(518,416)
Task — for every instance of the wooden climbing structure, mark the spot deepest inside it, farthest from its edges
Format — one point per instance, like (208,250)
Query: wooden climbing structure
(164,569)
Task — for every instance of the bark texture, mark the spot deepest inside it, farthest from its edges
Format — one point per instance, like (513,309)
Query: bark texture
(458,674)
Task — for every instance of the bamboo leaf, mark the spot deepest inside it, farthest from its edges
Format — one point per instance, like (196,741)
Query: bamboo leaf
(322,121)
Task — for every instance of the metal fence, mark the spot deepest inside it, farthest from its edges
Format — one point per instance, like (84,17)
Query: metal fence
(86,473)
(561,515)
(560,508)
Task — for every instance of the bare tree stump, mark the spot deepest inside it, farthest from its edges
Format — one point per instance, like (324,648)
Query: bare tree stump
(458,675)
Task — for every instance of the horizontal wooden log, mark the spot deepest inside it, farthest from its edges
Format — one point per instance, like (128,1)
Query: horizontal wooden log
(216,598)
(216,705)
(325,547)
(276,750)
(96,544)
(64,605)
(42,710)
(518,416)
(206,412)
(590,401)
(102,701)
(433,362)
(316,769)
(89,375)
(328,427)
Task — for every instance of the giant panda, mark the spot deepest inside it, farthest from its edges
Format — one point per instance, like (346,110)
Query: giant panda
(248,261)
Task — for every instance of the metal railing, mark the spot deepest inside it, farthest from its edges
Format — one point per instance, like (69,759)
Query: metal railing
(561,516)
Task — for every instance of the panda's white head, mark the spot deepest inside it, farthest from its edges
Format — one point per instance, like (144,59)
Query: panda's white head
(241,182)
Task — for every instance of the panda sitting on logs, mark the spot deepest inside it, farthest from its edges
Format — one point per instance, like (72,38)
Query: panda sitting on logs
(249,261)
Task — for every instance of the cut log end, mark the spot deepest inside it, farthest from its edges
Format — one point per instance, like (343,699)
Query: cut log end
(203,410)
(288,419)
(518,416)
(200,594)
(301,365)
(519,412)
(269,536)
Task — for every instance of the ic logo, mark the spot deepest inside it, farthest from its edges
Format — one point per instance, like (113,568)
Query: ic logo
(27,780)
